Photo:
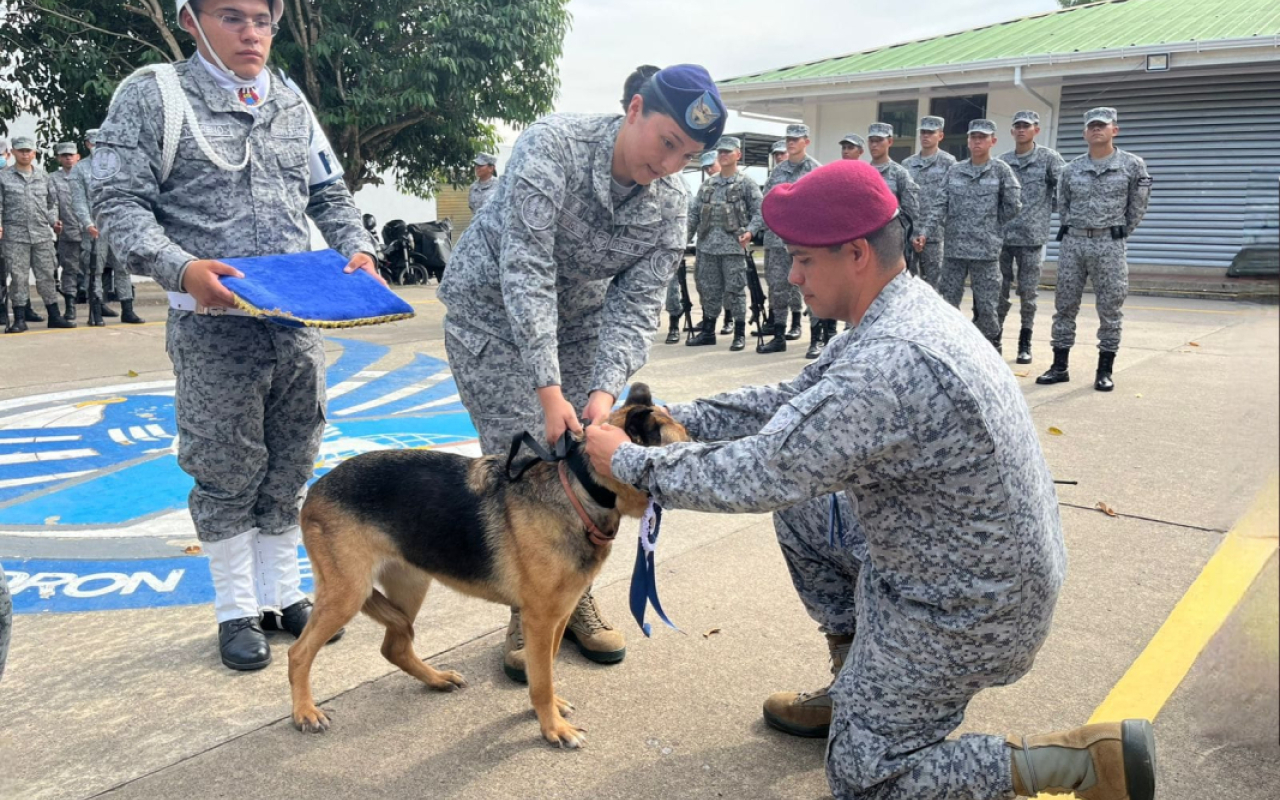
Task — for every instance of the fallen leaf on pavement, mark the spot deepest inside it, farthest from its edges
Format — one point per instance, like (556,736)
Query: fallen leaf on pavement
(132,374)
(1139,394)
(708,633)
(1055,431)
(1021,374)
(192,550)
(1194,344)
(1106,509)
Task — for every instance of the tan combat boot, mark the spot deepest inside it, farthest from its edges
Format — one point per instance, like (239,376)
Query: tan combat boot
(1107,761)
(513,650)
(595,638)
(808,713)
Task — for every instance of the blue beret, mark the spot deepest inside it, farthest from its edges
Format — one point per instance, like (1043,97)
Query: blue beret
(693,101)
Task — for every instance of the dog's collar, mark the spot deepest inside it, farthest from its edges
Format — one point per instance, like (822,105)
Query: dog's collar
(598,537)
(568,451)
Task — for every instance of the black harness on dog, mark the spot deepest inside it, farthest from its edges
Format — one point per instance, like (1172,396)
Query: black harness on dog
(569,451)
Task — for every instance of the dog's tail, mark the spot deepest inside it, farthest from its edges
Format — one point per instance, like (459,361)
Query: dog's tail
(387,612)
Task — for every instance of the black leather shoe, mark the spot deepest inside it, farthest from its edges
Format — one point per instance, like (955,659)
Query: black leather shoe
(816,341)
(292,620)
(739,336)
(126,313)
(778,344)
(706,334)
(19,324)
(1024,346)
(1102,379)
(1058,373)
(243,645)
(69,311)
(673,333)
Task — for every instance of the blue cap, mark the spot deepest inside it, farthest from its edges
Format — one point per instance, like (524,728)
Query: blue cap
(692,101)
(708,158)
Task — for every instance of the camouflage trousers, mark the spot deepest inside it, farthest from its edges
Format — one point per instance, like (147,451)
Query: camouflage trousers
(69,263)
(906,681)
(250,410)
(782,295)
(929,262)
(497,387)
(722,282)
(674,306)
(6,620)
(1103,262)
(95,257)
(25,258)
(1029,260)
(984,276)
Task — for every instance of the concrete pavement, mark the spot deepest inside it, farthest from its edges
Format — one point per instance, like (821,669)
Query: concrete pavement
(134,703)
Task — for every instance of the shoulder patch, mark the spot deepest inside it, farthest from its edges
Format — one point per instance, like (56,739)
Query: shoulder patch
(1145,180)
(537,212)
(663,263)
(106,163)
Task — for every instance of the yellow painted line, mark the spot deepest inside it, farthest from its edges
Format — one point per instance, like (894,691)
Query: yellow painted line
(1169,656)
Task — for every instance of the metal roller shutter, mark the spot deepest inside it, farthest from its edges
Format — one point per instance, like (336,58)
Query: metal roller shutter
(1208,138)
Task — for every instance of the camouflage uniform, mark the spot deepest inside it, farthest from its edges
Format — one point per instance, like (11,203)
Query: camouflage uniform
(719,215)
(70,239)
(975,204)
(6,620)
(1094,198)
(1024,238)
(95,254)
(250,393)
(952,556)
(930,174)
(28,209)
(899,180)
(777,263)
(561,262)
(480,193)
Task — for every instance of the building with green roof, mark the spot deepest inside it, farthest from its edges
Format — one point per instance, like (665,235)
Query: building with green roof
(1196,83)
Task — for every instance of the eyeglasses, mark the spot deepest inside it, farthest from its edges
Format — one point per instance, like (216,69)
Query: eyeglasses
(236,23)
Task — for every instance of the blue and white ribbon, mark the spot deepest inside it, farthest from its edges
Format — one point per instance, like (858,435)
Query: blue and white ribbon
(644,577)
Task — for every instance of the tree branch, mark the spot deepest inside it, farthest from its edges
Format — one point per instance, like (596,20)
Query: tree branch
(155,13)
(126,36)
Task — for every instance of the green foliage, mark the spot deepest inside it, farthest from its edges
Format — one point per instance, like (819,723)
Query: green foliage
(415,86)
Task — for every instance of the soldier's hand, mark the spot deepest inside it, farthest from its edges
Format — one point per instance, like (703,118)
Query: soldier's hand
(599,404)
(1,233)
(745,239)
(602,442)
(57,227)
(917,244)
(364,262)
(201,282)
(93,231)
(559,414)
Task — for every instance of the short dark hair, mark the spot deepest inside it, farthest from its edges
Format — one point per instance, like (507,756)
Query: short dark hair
(888,243)
(635,83)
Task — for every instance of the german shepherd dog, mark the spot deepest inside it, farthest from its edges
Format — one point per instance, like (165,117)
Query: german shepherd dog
(401,518)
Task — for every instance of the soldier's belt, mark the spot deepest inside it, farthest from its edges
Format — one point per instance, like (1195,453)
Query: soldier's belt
(180,301)
(1090,233)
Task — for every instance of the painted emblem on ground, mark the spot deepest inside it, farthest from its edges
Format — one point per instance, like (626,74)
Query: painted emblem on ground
(101,463)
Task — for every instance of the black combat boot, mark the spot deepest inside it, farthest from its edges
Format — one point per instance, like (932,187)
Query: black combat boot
(778,344)
(1102,381)
(95,313)
(29,314)
(69,301)
(816,341)
(4,313)
(243,644)
(126,313)
(828,330)
(82,297)
(18,325)
(706,334)
(997,344)
(55,317)
(1058,372)
(1024,346)
(739,336)
(794,333)
(673,333)
(727,328)
(105,310)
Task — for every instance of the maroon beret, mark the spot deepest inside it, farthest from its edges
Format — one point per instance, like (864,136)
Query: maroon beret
(843,201)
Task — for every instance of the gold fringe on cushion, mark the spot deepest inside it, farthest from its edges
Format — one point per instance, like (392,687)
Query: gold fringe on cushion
(317,323)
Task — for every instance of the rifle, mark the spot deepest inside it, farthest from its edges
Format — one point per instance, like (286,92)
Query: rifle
(761,317)
(682,272)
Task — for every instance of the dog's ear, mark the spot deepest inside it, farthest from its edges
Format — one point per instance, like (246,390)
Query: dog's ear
(641,427)
(639,395)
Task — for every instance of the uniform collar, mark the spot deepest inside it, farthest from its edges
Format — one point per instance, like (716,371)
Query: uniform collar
(218,98)
(1105,164)
(888,296)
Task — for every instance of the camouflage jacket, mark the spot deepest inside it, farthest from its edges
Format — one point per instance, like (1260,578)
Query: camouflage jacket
(1110,193)
(920,422)
(786,172)
(975,204)
(899,180)
(1039,172)
(203,211)
(28,205)
(722,204)
(480,193)
(929,174)
(64,188)
(554,258)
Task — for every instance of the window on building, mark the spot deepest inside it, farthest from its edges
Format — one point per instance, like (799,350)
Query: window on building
(958,112)
(901,114)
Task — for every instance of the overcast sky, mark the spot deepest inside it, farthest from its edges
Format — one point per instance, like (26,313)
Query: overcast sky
(610,38)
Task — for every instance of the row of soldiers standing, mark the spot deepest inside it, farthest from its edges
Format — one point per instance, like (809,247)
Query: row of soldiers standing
(46,225)
(983,219)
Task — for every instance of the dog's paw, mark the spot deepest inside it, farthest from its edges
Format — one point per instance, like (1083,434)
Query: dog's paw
(312,720)
(564,707)
(562,734)
(447,681)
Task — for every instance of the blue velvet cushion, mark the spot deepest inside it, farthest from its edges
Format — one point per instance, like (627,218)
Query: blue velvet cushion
(310,289)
